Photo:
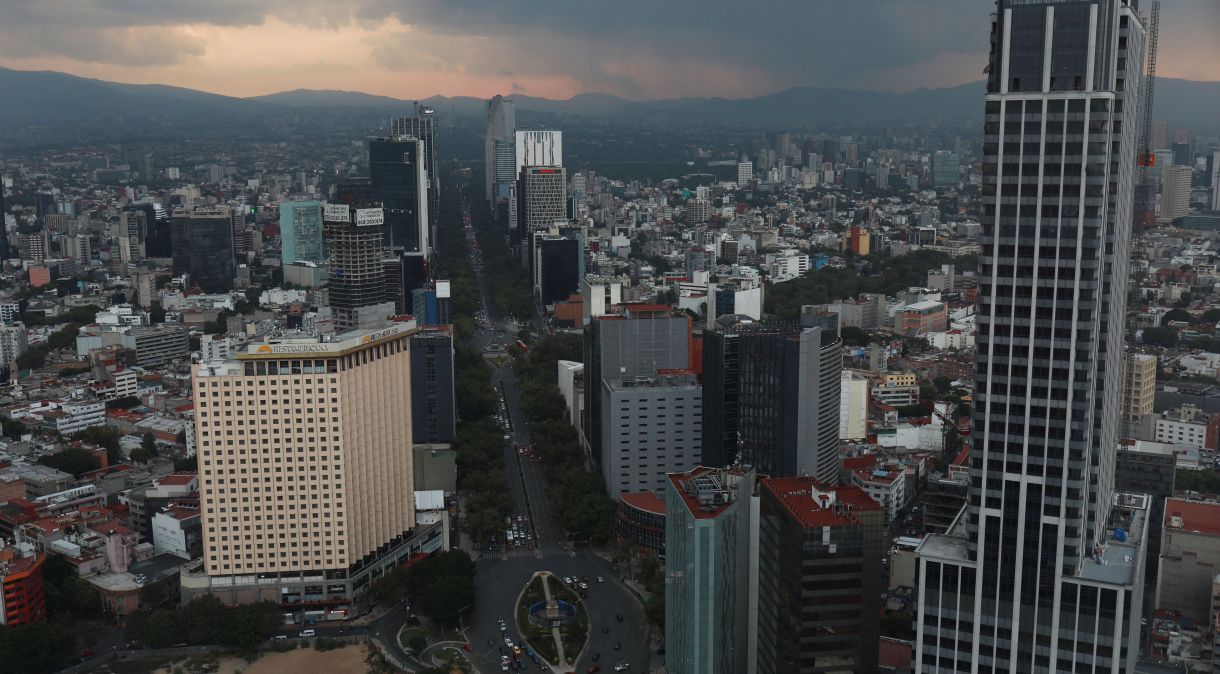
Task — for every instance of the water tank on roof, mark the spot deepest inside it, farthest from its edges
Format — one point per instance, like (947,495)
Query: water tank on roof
(1120,534)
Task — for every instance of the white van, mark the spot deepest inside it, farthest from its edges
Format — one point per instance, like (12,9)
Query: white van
(305,634)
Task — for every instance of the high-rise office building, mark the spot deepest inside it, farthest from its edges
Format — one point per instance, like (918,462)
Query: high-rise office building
(1215,181)
(499,153)
(537,148)
(322,504)
(636,342)
(203,246)
(710,594)
(651,426)
(819,577)
(745,173)
(784,382)
(423,126)
(352,190)
(1043,570)
(433,410)
(946,169)
(5,251)
(398,174)
(301,232)
(354,246)
(1175,191)
(542,196)
(721,392)
(556,267)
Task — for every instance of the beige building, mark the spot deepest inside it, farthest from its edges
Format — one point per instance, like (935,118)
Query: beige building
(1139,385)
(306,466)
(1175,192)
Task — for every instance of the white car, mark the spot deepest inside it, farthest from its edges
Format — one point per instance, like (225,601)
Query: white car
(622,666)
(508,642)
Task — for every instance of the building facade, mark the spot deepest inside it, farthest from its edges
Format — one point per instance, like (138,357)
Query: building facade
(433,408)
(1044,569)
(789,382)
(1175,191)
(638,341)
(398,173)
(322,434)
(499,153)
(301,232)
(710,550)
(819,577)
(354,245)
(651,426)
(202,242)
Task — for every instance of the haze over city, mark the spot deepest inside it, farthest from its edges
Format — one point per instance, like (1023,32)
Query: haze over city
(427,337)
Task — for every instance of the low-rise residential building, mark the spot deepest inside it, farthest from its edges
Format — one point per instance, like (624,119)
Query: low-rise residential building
(1190,557)
(921,318)
(1189,425)
(886,487)
(897,388)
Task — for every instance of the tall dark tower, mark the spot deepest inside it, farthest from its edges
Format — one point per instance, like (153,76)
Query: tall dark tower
(1043,569)
(423,127)
(399,180)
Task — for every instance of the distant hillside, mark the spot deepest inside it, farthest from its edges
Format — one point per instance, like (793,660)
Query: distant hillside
(40,101)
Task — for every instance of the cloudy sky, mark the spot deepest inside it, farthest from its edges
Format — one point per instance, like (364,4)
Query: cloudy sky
(553,48)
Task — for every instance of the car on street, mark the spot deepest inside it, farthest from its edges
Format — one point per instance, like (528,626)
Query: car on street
(305,634)
(508,642)
(597,656)
(617,645)
(618,617)
(605,629)
(622,667)
(600,579)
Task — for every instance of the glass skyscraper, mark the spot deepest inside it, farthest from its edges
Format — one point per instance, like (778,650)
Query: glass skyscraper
(1043,569)
(399,177)
(301,231)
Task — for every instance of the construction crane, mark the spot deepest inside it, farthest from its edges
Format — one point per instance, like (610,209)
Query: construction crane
(1144,194)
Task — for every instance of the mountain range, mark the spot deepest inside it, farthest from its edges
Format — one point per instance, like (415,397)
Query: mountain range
(46,100)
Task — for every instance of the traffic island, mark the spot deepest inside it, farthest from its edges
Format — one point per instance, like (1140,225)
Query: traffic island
(553,620)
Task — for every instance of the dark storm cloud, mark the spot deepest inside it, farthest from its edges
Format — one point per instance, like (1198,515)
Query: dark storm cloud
(631,47)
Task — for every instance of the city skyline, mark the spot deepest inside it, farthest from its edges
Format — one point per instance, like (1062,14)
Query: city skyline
(421,49)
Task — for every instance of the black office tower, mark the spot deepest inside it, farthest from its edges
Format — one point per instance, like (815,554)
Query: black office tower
(352,190)
(721,379)
(788,400)
(399,178)
(556,268)
(433,416)
(423,127)
(203,246)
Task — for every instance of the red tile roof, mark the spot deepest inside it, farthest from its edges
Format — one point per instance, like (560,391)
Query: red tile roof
(796,494)
(1197,516)
(896,655)
(856,462)
(178,479)
(645,501)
